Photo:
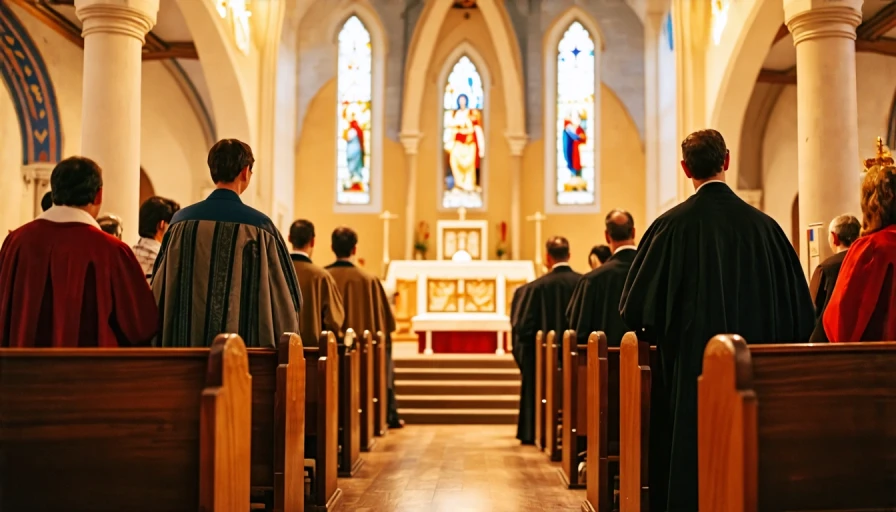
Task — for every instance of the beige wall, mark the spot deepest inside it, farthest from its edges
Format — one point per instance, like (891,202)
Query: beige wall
(11,214)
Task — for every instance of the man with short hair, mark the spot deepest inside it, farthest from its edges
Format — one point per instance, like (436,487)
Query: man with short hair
(322,308)
(595,303)
(223,266)
(711,265)
(64,282)
(843,231)
(155,217)
(46,202)
(543,305)
(111,224)
(365,302)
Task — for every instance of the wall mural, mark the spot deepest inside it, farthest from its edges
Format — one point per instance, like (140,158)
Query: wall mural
(354,83)
(22,69)
(575,117)
(463,136)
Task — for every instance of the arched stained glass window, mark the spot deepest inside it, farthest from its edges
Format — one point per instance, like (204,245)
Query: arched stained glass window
(575,117)
(354,84)
(463,136)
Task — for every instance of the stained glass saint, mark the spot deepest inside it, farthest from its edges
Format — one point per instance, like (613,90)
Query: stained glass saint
(463,136)
(354,83)
(575,117)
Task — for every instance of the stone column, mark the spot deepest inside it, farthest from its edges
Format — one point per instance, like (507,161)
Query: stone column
(410,141)
(824,34)
(517,143)
(114,33)
(653,23)
(37,183)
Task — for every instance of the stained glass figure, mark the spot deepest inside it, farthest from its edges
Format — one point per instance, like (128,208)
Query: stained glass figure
(354,84)
(463,136)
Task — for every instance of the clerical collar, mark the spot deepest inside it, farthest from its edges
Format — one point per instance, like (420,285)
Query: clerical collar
(708,182)
(68,214)
(301,253)
(559,265)
(300,256)
(341,263)
(629,247)
(224,194)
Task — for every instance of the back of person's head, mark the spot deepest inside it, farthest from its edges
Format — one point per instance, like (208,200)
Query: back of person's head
(845,229)
(704,154)
(77,182)
(110,224)
(599,255)
(155,215)
(228,158)
(301,233)
(557,248)
(46,202)
(344,241)
(878,198)
(620,226)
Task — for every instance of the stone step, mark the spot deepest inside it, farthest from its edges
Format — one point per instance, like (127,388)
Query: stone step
(441,402)
(456,361)
(459,416)
(466,387)
(457,374)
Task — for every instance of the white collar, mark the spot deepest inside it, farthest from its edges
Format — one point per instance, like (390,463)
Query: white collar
(561,264)
(68,214)
(708,182)
(629,247)
(301,253)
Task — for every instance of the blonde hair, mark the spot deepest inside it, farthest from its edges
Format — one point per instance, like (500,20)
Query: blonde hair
(878,198)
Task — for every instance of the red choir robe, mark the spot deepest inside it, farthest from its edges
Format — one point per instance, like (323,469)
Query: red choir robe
(66,283)
(863,307)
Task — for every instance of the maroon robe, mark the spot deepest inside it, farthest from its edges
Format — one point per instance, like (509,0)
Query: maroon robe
(65,283)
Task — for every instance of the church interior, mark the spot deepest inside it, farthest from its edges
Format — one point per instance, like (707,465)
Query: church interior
(454,137)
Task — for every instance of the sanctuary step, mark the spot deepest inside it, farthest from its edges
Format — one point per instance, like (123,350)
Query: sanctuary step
(456,389)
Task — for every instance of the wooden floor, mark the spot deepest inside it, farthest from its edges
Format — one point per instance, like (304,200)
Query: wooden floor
(456,468)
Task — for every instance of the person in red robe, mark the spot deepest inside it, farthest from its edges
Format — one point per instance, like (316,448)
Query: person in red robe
(66,283)
(863,306)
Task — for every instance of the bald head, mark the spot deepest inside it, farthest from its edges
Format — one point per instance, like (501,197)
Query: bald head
(620,228)
(558,250)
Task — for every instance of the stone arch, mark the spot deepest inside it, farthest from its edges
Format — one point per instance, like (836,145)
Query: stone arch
(25,74)
(421,51)
(552,38)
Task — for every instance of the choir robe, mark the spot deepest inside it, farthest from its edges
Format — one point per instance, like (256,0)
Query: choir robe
(821,287)
(322,308)
(863,307)
(711,265)
(542,308)
(595,302)
(224,268)
(66,283)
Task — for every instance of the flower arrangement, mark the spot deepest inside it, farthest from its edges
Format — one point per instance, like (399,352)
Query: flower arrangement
(501,250)
(421,239)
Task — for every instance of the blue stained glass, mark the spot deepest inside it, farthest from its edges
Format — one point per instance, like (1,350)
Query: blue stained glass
(353,114)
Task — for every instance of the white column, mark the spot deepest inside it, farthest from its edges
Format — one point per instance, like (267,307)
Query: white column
(653,22)
(114,32)
(37,183)
(410,141)
(824,34)
(517,143)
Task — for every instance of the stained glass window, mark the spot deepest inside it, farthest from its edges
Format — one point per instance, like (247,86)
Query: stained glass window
(354,82)
(575,117)
(463,136)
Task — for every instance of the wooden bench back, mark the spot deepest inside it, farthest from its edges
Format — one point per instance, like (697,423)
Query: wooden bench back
(349,400)
(365,397)
(380,385)
(553,386)
(797,427)
(126,429)
(321,418)
(575,406)
(539,390)
(635,361)
(278,418)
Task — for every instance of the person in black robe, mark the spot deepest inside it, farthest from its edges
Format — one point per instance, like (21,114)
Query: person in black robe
(711,265)
(542,307)
(598,256)
(595,302)
(844,230)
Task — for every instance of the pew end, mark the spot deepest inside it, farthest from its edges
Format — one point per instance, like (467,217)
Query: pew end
(349,445)
(597,495)
(634,423)
(539,390)
(380,385)
(553,398)
(322,422)
(575,392)
(366,353)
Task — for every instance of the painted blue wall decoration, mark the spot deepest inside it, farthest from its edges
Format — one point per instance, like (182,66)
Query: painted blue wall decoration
(22,69)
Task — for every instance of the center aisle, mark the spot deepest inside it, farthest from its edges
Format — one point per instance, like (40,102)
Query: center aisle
(454,468)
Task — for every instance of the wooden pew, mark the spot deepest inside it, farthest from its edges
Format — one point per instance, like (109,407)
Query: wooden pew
(365,396)
(553,398)
(637,358)
(349,406)
(575,408)
(322,422)
(602,424)
(380,386)
(126,429)
(797,427)
(278,419)
(540,343)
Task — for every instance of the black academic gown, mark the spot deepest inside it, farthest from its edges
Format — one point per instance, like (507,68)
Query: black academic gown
(595,302)
(711,265)
(821,286)
(542,307)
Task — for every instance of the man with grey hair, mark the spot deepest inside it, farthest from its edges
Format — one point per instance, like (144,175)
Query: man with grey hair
(843,231)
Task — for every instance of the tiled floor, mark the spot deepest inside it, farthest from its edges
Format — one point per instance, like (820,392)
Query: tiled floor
(466,468)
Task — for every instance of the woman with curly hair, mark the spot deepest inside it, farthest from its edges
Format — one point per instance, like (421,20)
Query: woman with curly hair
(863,306)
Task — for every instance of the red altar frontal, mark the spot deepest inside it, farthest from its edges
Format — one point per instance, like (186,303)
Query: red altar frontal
(463,342)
